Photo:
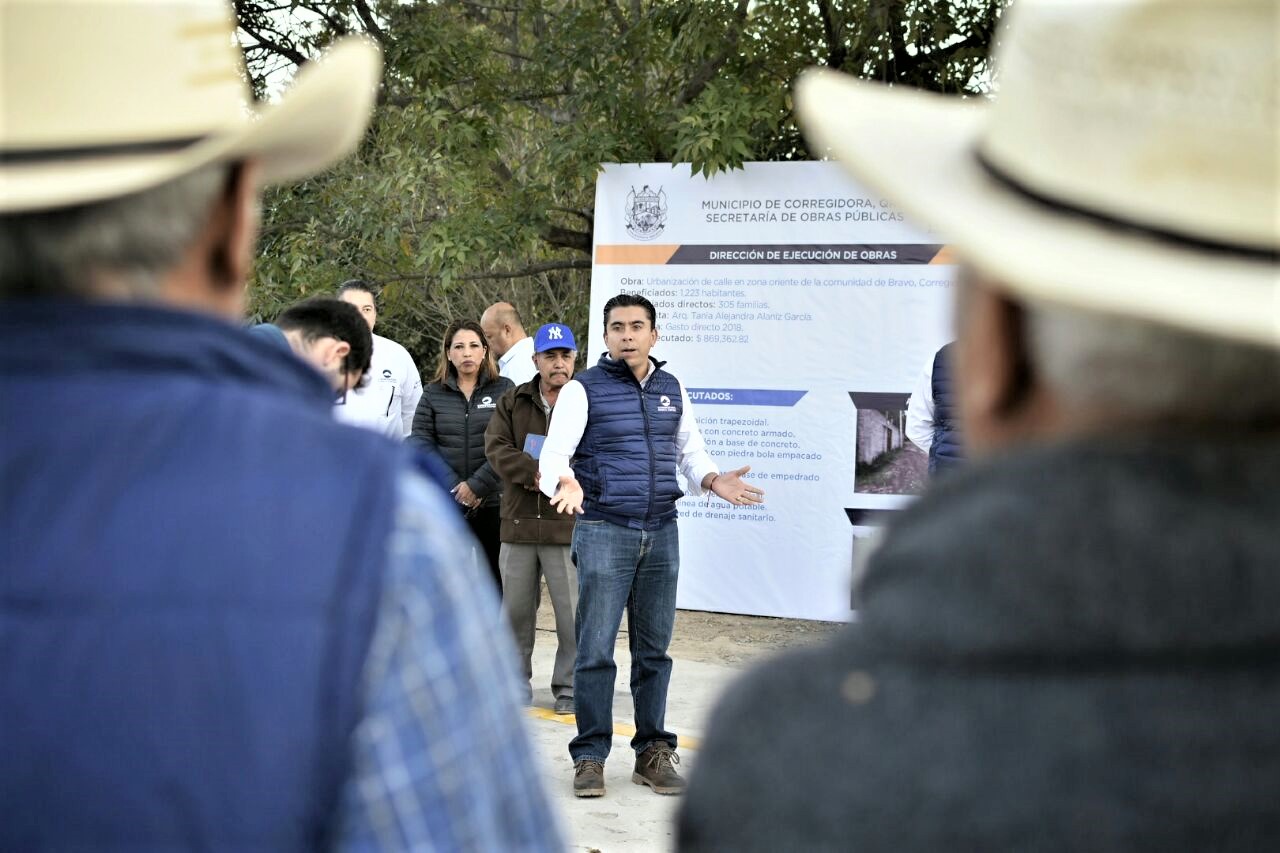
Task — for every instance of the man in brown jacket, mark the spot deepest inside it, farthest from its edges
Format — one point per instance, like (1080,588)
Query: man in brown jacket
(535,538)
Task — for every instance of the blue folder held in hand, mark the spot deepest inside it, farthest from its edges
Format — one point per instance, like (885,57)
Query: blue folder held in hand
(533,444)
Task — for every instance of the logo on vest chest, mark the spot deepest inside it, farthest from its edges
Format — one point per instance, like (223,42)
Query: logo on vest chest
(664,404)
(486,403)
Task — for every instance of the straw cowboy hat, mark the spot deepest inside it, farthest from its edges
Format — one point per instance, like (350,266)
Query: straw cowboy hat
(1129,164)
(102,98)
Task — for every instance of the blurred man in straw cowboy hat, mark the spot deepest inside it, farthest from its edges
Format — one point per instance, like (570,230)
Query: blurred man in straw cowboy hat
(204,640)
(1071,645)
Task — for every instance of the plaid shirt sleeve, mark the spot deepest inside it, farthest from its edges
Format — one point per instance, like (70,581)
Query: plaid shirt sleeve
(442,758)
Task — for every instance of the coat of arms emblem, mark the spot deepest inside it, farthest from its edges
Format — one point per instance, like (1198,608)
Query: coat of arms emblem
(646,212)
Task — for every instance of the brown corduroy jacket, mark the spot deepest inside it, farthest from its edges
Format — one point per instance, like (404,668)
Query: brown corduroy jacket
(527,514)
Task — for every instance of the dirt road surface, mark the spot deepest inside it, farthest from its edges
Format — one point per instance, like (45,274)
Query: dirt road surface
(727,639)
(710,651)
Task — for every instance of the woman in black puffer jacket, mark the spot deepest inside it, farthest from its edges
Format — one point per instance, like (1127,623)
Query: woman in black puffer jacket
(451,418)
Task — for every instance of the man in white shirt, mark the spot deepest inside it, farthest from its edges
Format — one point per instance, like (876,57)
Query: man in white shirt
(374,406)
(920,408)
(388,400)
(504,332)
(621,431)
(931,413)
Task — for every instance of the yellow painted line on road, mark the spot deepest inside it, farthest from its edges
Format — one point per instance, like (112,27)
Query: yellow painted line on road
(623,729)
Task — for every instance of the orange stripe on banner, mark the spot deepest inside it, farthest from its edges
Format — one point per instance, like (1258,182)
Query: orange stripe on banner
(627,254)
(945,256)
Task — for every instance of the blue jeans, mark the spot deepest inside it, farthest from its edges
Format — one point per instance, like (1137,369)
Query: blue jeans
(619,567)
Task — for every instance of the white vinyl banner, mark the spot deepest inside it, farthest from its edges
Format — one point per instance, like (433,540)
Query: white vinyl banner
(799,310)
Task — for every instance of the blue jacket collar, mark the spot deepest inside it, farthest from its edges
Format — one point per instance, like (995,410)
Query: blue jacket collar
(617,367)
(62,336)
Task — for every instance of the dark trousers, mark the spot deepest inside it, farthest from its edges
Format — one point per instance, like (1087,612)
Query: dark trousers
(622,569)
(486,525)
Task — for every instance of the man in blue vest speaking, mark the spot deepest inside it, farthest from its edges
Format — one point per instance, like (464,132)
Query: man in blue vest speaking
(622,430)
(227,622)
(932,422)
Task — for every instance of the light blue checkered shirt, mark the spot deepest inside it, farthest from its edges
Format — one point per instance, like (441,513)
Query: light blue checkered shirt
(442,758)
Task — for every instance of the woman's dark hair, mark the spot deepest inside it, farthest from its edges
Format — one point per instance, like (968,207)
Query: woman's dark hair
(628,300)
(488,367)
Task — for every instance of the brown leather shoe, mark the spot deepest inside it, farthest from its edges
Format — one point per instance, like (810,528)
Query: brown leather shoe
(655,767)
(588,778)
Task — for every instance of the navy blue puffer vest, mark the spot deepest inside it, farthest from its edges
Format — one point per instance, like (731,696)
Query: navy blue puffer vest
(191,553)
(946,451)
(626,460)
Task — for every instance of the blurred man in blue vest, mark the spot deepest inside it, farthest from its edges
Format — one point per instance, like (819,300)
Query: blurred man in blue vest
(226,621)
(621,432)
(1071,642)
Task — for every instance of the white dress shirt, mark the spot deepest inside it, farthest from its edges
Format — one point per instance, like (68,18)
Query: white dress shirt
(920,409)
(517,364)
(389,397)
(363,409)
(570,423)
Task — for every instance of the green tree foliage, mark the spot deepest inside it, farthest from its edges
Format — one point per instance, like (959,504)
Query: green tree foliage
(476,180)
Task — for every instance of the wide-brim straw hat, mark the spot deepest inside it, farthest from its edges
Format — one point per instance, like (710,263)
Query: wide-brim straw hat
(1128,164)
(104,98)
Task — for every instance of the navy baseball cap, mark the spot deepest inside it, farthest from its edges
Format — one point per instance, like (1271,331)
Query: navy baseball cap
(553,336)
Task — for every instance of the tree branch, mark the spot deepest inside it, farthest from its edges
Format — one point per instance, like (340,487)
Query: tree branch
(370,21)
(909,64)
(336,24)
(893,24)
(618,18)
(708,70)
(567,238)
(538,96)
(836,52)
(522,57)
(489,8)
(275,227)
(586,215)
(530,270)
(277,47)
(502,170)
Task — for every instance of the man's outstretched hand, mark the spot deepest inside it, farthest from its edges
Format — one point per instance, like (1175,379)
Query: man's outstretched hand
(568,497)
(733,488)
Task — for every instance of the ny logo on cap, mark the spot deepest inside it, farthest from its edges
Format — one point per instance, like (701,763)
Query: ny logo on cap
(555,333)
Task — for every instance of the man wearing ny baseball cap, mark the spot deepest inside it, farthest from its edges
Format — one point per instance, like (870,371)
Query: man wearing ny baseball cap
(535,538)
(1070,643)
(226,621)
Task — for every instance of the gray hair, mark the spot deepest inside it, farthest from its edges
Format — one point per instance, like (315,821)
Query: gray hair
(1152,373)
(134,239)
